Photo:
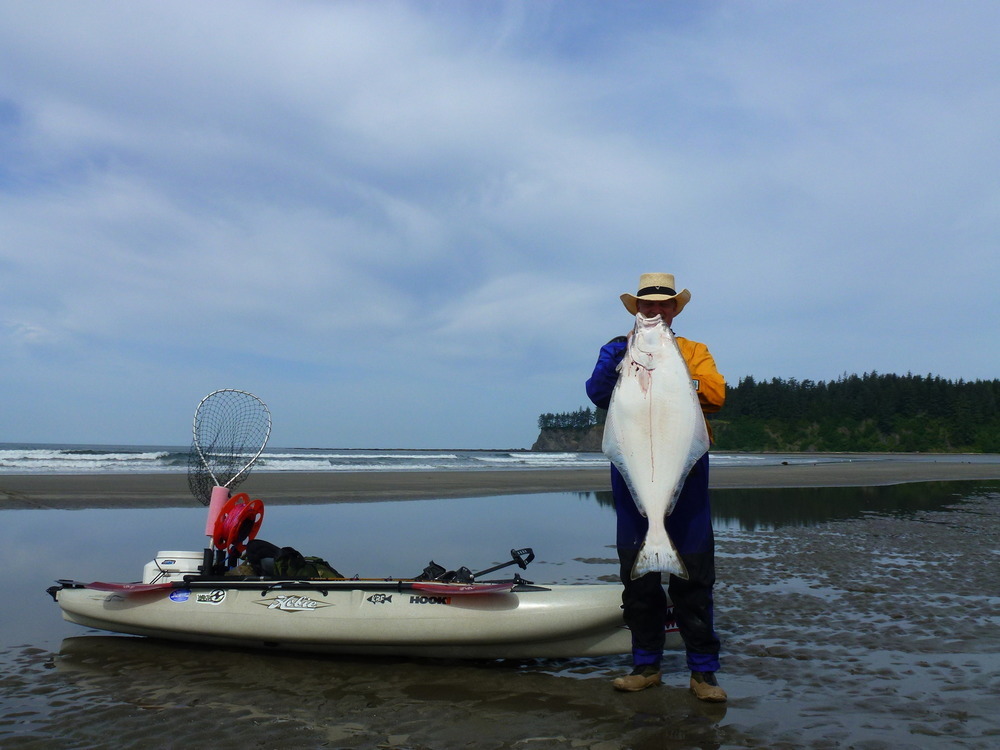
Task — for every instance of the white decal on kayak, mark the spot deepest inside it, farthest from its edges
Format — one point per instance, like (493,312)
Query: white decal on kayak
(215,596)
(670,623)
(292,603)
(380,598)
(430,600)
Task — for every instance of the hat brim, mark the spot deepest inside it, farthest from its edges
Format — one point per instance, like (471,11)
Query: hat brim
(631,302)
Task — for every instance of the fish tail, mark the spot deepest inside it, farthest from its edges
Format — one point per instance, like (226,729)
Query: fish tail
(659,558)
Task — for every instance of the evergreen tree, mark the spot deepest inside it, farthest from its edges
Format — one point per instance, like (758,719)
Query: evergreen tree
(869,412)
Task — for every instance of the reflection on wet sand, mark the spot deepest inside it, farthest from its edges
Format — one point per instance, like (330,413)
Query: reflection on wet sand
(771,508)
(882,629)
(269,700)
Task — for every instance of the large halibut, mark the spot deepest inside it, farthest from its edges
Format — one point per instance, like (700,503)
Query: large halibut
(655,432)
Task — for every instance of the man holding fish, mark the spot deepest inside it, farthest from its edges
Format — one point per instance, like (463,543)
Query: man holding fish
(657,387)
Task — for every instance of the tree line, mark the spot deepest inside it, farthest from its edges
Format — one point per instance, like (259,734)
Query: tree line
(869,412)
(580,419)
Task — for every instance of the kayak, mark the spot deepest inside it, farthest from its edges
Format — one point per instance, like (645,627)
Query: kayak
(363,617)
(472,619)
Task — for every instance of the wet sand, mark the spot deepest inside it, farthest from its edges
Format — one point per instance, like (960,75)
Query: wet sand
(875,632)
(878,632)
(167,490)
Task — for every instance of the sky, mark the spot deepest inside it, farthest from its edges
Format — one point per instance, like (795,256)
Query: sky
(408,224)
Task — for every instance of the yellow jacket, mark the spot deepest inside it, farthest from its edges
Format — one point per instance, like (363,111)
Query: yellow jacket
(709,383)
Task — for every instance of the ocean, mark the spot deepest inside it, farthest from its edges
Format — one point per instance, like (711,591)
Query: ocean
(44,458)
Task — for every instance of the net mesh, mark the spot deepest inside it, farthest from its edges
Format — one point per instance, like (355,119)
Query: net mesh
(231,428)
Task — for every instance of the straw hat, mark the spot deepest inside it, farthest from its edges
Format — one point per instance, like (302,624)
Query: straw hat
(656,286)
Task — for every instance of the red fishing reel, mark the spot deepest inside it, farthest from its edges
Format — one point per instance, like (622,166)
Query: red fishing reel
(237,523)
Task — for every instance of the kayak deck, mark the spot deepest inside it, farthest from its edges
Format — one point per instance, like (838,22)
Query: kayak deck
(451,588)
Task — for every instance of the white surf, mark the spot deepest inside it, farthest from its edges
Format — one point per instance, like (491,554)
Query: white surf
(655,432)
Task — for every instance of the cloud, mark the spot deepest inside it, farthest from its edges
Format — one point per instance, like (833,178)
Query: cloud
(422,209)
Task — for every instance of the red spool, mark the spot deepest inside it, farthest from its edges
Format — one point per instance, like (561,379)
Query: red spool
(238,522)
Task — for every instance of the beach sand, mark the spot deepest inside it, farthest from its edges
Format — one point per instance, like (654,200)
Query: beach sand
(875,632)
(76,491)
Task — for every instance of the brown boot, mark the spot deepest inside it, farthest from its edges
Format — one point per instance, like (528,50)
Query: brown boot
(640,679)
(706,688)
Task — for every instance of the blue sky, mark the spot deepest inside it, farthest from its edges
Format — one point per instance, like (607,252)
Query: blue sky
(407,224)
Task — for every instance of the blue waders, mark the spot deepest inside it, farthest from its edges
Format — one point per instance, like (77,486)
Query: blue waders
(645,604)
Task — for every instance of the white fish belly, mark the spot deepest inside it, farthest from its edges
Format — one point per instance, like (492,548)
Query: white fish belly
(654,434)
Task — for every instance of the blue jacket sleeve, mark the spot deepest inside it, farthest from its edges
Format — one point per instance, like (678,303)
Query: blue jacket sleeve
(602,382)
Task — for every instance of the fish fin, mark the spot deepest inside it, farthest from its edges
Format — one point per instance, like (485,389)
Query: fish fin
(659,558)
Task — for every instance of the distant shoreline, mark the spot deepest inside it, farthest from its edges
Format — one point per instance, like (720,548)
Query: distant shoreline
(78,491)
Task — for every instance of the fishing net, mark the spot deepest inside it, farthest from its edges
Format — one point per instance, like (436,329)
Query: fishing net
(231,428)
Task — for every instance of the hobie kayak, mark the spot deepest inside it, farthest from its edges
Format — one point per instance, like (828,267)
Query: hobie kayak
(360,617)
(512,619)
